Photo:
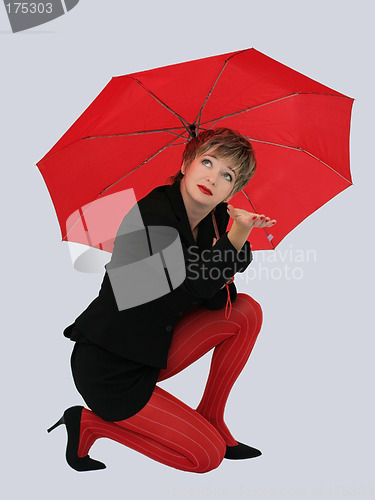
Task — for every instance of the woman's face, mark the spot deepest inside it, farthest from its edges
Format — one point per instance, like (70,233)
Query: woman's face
(209,179)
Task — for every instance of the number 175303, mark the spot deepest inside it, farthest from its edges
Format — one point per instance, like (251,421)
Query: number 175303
(29,8)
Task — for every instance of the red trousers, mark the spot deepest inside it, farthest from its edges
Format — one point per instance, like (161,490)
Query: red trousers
(168,430)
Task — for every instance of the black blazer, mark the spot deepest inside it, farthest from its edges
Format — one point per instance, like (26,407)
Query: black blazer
(143,333)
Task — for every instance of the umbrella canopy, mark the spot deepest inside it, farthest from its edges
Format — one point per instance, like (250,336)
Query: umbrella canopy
(133,134)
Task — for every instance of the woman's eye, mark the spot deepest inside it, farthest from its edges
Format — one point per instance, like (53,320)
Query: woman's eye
(227,175)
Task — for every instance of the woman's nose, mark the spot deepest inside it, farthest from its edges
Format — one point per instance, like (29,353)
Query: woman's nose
(212,178)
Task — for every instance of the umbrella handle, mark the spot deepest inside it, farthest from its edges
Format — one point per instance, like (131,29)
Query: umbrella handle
(228,306)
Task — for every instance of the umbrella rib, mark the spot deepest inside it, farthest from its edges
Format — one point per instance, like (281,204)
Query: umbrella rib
(301,150)
(255,211)
(138,132)
(128,134)
(184,123)
(82,213)
(199,115)
(245,110)
(138,166)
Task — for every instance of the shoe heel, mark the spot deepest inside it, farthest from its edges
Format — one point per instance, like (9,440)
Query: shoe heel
(59,422)
(72,420)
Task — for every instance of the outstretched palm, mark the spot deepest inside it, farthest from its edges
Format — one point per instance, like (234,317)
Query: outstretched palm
(248,219)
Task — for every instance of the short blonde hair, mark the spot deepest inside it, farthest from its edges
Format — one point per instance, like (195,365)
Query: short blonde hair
(225,143)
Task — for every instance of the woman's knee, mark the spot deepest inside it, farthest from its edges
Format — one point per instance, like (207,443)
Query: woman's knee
(245,301)
(213,455)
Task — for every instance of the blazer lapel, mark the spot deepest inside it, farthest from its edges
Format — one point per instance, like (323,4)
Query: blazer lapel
(178,207)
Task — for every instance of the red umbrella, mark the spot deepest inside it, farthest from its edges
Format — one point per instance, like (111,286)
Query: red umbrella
(133,134)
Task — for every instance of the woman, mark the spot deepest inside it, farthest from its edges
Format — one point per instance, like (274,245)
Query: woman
(119,355)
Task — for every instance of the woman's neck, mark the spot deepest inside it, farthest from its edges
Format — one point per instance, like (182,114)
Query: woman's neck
(195,211)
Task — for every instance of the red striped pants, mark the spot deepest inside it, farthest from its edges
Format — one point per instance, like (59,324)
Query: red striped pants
(168,430)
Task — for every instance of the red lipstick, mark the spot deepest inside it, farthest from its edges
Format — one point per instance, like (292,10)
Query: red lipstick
(204,190)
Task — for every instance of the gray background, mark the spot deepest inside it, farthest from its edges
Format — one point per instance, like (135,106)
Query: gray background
(306,396)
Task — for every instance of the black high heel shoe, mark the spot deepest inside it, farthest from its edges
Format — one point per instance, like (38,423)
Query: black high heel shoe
(241,451)
(72,420)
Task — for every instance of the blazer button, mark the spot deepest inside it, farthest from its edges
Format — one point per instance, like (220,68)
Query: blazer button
(179,314)
(169,328)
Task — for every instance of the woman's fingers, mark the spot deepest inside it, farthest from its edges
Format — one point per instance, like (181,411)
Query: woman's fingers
(262,220)
(250,219)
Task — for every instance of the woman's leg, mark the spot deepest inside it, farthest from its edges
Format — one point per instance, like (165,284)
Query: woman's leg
(166,430)
(233,339)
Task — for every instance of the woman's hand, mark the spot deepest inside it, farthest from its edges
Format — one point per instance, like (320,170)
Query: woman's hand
(249,220)
(243,223)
